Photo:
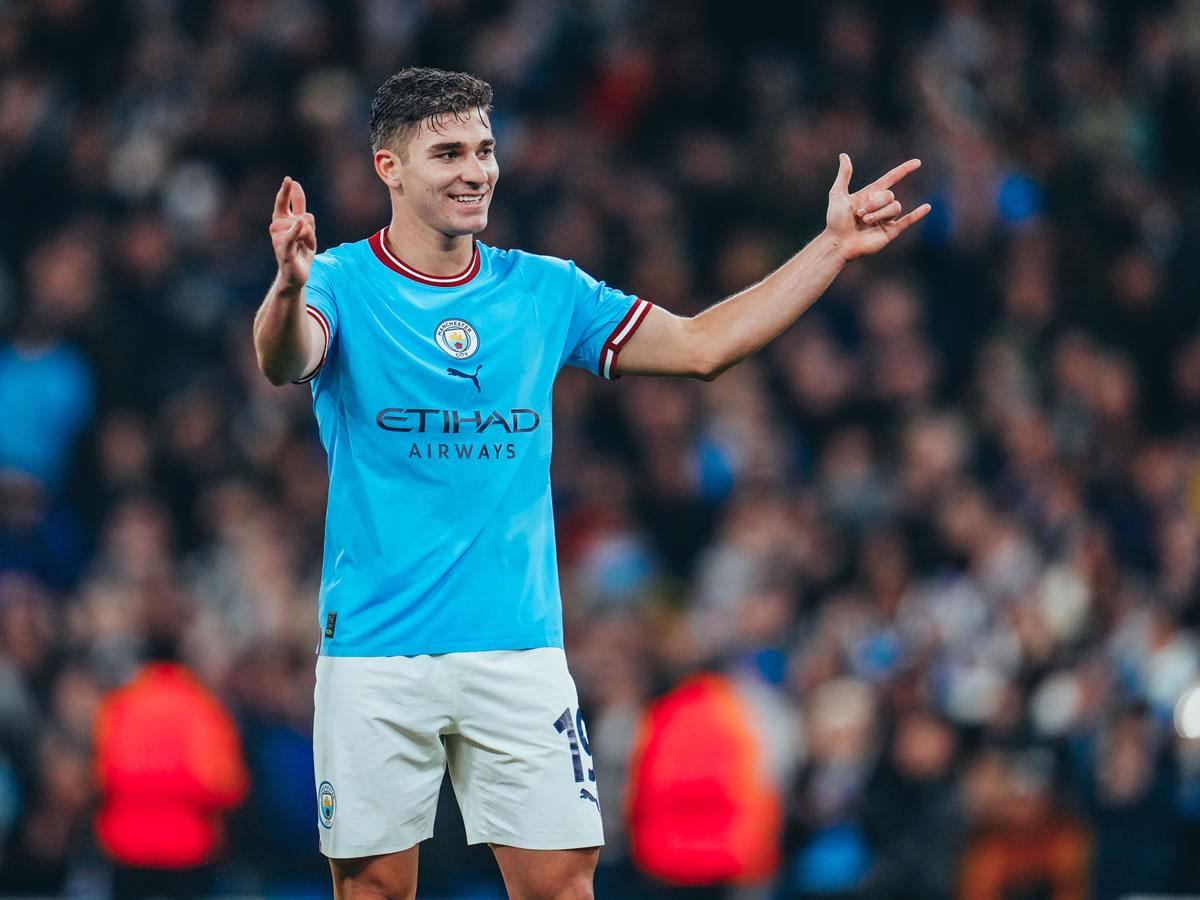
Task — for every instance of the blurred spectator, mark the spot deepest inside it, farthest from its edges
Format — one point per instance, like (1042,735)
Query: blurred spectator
(169,763)
(46,384)
(703,808)
(1024,844)
(1131,791)
(915,814)
(829,848)
(273,688)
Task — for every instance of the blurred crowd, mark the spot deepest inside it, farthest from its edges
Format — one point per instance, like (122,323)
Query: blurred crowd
(944,534)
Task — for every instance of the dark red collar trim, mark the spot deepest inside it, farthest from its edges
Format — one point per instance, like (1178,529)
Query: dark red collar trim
(378,242)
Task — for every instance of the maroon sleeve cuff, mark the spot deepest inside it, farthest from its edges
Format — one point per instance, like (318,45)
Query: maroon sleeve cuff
(620,336)
(320,317)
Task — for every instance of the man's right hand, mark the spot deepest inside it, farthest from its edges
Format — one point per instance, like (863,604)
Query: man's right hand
(293,235)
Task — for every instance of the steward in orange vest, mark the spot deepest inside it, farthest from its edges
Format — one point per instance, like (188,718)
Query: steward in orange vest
(702,807)
(168,763)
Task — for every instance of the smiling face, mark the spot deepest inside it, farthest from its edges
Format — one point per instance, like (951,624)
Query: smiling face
(442,176)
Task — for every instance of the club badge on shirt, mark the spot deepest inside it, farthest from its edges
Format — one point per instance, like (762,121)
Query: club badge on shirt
(457,337)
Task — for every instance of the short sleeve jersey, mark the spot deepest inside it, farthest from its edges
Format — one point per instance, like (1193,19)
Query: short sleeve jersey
(433,402)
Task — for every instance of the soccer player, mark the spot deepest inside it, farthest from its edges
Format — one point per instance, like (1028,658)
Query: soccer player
(431,359)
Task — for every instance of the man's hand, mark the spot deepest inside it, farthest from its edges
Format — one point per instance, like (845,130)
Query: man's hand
(868,220)
(705,345)
(290,344)
(293,235)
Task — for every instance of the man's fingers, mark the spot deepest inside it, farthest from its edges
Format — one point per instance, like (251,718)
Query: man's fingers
(845,170)
(873,201)
(308,237)
(299,234)
(308,234)
(281,199)
(882,215)
(283,223)
(290,229)
(298,200)
(287,237)
(894,176)
(912,218)
(293,228)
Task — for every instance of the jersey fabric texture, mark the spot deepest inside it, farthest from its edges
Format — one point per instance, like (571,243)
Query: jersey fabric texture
(433,402)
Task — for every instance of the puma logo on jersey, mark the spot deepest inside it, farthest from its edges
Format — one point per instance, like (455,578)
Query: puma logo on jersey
(585,794)
(473,378)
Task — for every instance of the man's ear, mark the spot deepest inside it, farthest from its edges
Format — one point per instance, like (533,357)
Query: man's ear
(387,167)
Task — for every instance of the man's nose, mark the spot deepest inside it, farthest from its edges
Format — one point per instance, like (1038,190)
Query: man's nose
(474,172)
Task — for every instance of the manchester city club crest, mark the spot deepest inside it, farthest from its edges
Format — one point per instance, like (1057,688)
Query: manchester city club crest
(326,804)
(457,338)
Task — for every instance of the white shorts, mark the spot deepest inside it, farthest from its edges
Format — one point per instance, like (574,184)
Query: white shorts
(506,722)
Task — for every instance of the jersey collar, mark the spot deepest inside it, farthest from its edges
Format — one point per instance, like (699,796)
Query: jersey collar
(379,245)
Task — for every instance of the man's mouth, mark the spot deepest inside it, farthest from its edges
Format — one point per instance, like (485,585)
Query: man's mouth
(468,199)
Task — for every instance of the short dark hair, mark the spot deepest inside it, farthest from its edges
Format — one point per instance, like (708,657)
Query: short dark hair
(413,95)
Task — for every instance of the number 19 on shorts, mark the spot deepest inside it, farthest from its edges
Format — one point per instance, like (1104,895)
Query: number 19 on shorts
(572,726)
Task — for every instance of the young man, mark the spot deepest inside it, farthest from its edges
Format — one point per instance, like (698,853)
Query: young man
(431,359)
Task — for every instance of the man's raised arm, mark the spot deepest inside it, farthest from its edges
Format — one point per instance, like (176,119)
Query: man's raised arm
(288,342)
(705,345)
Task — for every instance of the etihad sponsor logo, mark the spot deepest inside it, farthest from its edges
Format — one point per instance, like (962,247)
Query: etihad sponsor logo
(462,451)
(455,421)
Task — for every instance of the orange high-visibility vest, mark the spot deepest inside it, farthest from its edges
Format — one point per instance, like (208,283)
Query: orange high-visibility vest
(702,808)
(168,762)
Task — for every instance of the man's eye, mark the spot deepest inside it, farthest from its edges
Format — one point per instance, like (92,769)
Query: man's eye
(487,151)
(449,154)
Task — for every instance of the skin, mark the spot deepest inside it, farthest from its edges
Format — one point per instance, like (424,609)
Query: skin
(433,232)
(703,346)
(455,157)
(430,230)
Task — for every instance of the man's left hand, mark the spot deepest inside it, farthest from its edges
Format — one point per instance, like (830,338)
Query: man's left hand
(869,219)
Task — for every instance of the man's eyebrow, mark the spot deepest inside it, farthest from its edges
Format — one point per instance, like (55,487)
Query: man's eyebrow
(458,145)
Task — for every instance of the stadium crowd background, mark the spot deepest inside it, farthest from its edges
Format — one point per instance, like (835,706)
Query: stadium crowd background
(945,531)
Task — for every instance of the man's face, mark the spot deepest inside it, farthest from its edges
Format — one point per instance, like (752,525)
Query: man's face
(448,171)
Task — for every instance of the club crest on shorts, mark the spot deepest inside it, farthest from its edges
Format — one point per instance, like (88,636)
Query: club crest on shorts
(457,337)
(326,804)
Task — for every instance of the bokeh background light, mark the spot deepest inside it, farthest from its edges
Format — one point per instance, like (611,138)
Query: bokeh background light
(1187,714)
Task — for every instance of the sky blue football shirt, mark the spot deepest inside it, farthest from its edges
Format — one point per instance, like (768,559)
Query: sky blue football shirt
(433,404)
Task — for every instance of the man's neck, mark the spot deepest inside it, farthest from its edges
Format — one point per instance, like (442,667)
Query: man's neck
(428,250)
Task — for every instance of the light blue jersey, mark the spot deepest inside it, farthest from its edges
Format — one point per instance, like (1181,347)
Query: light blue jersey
(433,403)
